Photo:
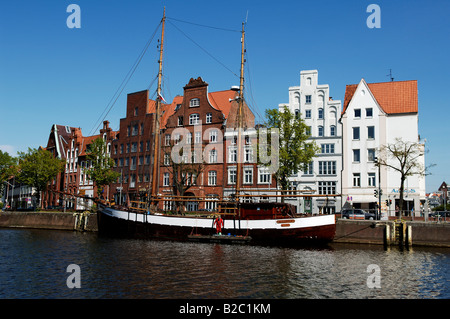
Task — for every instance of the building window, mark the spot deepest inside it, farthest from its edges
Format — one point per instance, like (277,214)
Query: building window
(212,178)
(166,159)
(211,203)
(308,169)
(189,138)
(357,113)
(213,136)
(297,114)
(135,111)
(248,175)
(194,102)
(371,154)
(208,118)
(332,130)
(369,112)
(232,155)
(371,181)
(320,131)
(248,155)
(135,130)
(327,167)
(320,114)
(177,138)
(232,175)
(308,114)
(168,205)
(356,156)
(166,139)
(263,175)
(180,121)
(194,119)
(212,156)
(356,180)
(327,188)
(166,179)
(356,133)
(198,138)
(308,130)
(371,132)
(308,99)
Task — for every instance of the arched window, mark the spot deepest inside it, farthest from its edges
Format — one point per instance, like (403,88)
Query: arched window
(320,114)
(320,131)
(194,102)
(297,98)
(332,130)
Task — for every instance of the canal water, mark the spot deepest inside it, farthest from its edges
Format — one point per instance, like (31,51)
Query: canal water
(34,264)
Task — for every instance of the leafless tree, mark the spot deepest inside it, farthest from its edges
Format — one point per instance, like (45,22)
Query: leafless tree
(405,158)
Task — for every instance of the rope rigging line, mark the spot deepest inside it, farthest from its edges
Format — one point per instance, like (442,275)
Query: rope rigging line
(203,25)
(203,49)
(123,84)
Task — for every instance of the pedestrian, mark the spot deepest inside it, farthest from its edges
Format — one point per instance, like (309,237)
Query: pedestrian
(219,225)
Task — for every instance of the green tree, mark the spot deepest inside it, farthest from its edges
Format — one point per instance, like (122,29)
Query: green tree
(295,151)
(37,168)
(8,168)
(101,169)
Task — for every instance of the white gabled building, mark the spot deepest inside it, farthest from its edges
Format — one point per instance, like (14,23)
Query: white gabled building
(373,115)
(312,102)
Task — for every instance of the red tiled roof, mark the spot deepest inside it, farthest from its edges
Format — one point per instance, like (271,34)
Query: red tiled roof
(393,97)
(221,100)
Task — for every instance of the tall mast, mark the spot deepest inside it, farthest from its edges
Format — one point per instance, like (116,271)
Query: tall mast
(157,126)
(241,102)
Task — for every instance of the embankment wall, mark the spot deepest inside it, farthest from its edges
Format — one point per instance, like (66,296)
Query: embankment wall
(48,220)
(380,232)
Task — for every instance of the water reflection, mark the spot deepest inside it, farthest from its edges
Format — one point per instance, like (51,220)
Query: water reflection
(33,265)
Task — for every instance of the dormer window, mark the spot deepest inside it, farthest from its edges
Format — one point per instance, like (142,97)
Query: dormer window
(194,102)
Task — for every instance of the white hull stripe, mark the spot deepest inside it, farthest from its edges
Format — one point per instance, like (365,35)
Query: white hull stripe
(291,223)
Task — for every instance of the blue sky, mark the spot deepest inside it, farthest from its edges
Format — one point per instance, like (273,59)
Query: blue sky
(51,74)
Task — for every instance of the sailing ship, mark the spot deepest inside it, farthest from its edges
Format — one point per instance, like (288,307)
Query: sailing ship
(242,222)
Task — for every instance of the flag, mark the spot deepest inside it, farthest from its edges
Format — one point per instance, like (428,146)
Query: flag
(161,97)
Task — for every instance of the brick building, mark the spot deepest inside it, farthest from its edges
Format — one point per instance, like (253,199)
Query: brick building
(133,151)
(68,143)
(202,132)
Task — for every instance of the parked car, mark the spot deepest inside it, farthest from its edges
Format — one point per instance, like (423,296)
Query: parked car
(357,214)
(440,214)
